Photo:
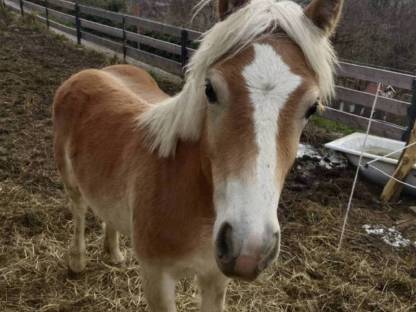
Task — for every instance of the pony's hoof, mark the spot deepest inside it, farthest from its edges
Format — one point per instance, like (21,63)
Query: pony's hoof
(117,258)
(77,263)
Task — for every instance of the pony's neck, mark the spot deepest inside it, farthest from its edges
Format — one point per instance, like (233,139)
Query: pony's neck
(180,216)
(176,119)
(192,169)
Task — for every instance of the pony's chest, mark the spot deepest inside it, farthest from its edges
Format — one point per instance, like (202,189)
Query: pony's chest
(199,262)
(169,235)
(171,221)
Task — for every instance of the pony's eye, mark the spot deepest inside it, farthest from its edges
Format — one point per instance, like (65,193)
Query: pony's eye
(210,93)
(312,110)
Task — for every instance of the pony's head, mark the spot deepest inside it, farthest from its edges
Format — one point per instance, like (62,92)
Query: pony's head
(258,76)
(258,101)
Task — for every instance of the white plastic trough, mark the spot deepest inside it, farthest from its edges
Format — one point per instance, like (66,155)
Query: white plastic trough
(352,145)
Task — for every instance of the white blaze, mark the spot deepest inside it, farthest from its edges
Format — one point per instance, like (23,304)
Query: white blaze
(251,202)
(270,83)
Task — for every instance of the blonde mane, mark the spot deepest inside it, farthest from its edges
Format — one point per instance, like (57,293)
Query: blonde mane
(181,117)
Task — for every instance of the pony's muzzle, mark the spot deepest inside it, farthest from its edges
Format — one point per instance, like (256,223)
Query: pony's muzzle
(245,259)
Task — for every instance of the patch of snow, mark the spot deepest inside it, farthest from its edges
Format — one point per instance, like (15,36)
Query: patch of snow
(307,150)
(327,159)
(390,236)
(373,230)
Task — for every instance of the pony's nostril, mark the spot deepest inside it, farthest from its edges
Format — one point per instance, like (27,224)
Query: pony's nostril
(270,252)
(273,244)
(224,243)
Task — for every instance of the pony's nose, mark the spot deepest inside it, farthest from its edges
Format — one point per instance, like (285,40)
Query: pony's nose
(248,258)
(250,263)
(224,246)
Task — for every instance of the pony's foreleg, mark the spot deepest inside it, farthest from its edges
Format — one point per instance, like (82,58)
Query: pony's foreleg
(77,258)
(111,244)
(159,289)
(213,287)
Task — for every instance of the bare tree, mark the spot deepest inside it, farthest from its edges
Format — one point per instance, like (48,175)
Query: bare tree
(379,32)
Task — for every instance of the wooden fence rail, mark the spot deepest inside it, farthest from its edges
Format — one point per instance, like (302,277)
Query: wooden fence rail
(378,127)
(63,4)
(388,105)
(149,44)
(386,77)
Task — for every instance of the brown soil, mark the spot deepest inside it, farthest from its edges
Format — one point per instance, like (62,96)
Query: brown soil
(35,226)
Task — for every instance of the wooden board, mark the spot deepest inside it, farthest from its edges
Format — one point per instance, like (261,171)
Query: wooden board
(63,4)
(41,19)
(155,43)
(386,77)
(33,7)
(194,35)
(111,31)
(378,127)
(387,105)
(112,16)
(14,6)
(155,60)
(109,44)
(69,30)
(61,16)
(150,25)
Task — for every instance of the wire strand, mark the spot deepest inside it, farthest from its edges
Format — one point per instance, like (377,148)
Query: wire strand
(388,124)
(354,185)
(387,156)
(391,177)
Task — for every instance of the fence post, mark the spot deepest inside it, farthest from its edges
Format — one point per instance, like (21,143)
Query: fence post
(77,22)
(47,14)
(21,8)
(184,52)
(411,115)
(124,40)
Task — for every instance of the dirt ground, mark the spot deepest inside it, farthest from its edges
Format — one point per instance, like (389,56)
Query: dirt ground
(35,226)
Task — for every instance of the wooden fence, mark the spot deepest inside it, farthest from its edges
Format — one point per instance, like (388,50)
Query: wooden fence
(169,48)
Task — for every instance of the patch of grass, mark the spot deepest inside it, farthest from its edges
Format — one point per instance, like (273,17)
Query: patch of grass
(5,16)
(115,60)
(332,126)
(61,38)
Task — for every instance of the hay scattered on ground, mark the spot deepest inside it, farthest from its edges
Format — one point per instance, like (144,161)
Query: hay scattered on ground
(35,226)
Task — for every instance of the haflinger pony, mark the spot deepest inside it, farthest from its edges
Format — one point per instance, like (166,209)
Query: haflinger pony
(194,180)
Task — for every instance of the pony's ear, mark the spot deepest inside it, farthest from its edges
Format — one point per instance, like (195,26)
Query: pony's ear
(325,14)
(226,7)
